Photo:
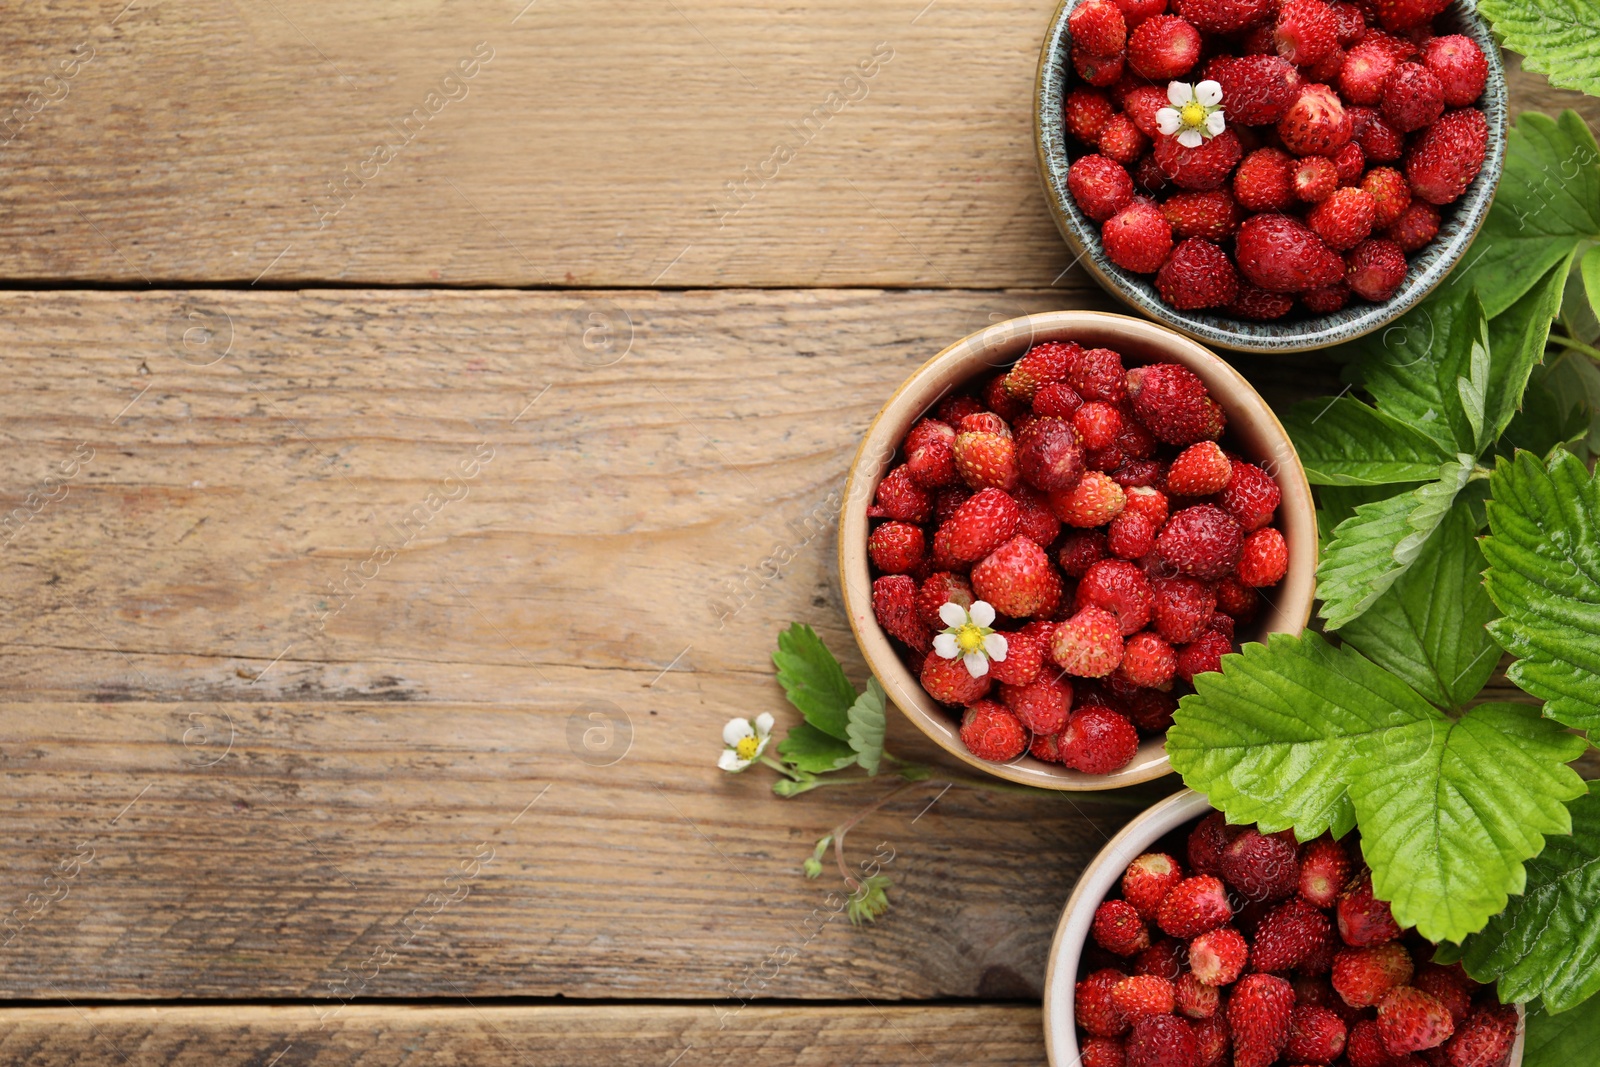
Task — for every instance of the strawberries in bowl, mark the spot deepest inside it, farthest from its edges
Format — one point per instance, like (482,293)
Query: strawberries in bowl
(1053,526)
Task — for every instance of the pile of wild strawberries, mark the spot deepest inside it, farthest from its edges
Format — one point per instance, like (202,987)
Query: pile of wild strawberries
(1278,952)
(1073,519)
(1252,153)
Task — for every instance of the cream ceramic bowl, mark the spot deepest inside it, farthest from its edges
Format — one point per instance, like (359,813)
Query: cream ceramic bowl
(1252,429)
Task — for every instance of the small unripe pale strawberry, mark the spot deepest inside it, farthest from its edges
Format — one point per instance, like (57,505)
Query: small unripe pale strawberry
(1147,881)
(1218,957)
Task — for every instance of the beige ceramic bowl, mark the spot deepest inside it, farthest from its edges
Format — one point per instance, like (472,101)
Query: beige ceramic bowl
(1097,880)
(1252,429)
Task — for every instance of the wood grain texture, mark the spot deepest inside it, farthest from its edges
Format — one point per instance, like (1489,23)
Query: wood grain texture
(204,142)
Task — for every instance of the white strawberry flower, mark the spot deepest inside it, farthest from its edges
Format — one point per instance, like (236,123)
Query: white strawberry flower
(745,742)
(970,636)
(1196,112)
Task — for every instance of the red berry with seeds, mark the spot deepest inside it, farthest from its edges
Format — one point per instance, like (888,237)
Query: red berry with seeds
(1097,26)
(1173,404)
(1306,32)
(1217,957)
(1098,424)
(1085,111)
(1366,71)
(1288,935)
(1162,1041)
(896,547)
(1199,275)
(1206,166)
(1147,661)
(1099,375)
(1460,66)
(1147,501)
(986,459)
(1079,550)
(1259,305)
(1118,928)
(1163,47)
(1404,14)
(1251,496)
(1119,588)
(1102,1052)
(1088,645)
(949,682)
(1263,867)
(1447,156)
(1324,870)
(1316,123)
(939,589)
(1042,705)
(982,523)
(1100,186)
(1093,1008)
(1364,976)
(1484,1039)
(1143,994)
(1413,97)
(1283,255)
(1050,454)
(1164,958)
(1018,580)
(1043,365)
(1035,520)
(1207,842)
(1141,105)
(1223,16)
(1450,984)
(1235,599)
(1410,1020)
(1265,181)
(1201,542)
(1200,470)
(1121,141)
(1212,215)
(1193,999)
(1147,881)
(1259,1013)
(1057,400)
(1212,1041)
(1203,654)
(1024,656)
(1182,608)
(1315,179)
(1137,238)
(894,605)
(1364,1046)
(1348,163)
(1131,535)
(1256,90)
(1363,919)
(900,497)
(1098,740)
(1264,559)
(1390,193)
(930,455)
(1375,268)
(1316,1036)
(1099,71)
(1379,142)
(1417,225)
(990,731)
(1094,501)
(1194,906)
(1327,300)
(1344,219)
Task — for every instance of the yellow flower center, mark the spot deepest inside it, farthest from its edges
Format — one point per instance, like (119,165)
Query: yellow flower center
(747,748)
(969,638)
(1193,114)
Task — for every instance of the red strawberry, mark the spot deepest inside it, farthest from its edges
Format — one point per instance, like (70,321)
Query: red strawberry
(1256,90)
(1099,186)
(1211,1041)
(949,682)
(1236,600)
(1410,1020)
(1102,1052)
(1352,24)
(945,502)
(1151,709)
(1223,16)
(1460,66)
(1315,179)
(1147,501)
(1390,195)
(1099,375)
(1173,404)
(1141,105)
(1035,520)
(1306,32)
(1201,542)
(1364,1046)
(1404,14)
(1325,70)
(1288,935)
(1194,999)
(1484,1039)
(1193,907)
(894,603)
(1264,559)
(1024,656)
(1092,1006)
(1147,880)
(1324,869)
(1117,928)
(1098,424)
(1199,275)
(1203,654)
(1366,70)
(1375,268)
(982,523)
(1182,608)
(1364,976)
(1259,1014)
(1316,1036)
(1088,645)
(896,547)
(1212,215)
(1379,141)
(1413,97)
(930,455)
(939,589)
(987,459)
(1259,305)
(1094,501)
(1263,867)
(1098,740)
(1056,400)
(953,410)
(1344,219)
(1165,957)
(1251,496)
(1417,225)
(1283,255)
(1136,11)
(1316,123)
(1143,994)
(1448,155)
(1163,47)
(1080,549)
(1207,842)
(1217,957)
(1043,365)
(1122,142)
(1162,1041)
(1349,162)
(1050,455)
(1018,580)
(1131,535)
(1327,300)
(1097,27)
(1206,166)
(900,497)
(1085,111)
(1265,181)
(1147,661)
(1200,470)
(1099,71)
(1137,238)
(991,732)
(1042,705)
(1450,984)
(1119,588)
(1139,473)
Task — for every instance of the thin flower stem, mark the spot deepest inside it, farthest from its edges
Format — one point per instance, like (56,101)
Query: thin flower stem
(781,768)
(1574,344)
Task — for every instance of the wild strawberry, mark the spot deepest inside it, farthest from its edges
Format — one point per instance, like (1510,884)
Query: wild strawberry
(1375,268)
(1364,1045)
(1413,97)
(1099,71)
(1349,163)
(1094,501)
(1212,215)
(1351,23)
(1164,958)
(1173,403)
(1344,219)
(899,497)
(1147,176)
(1460,66)
(1316,123)
(1398,15)
(1105,460)
(990,731)
(1235,600)
(1043,704)
(1263,867)
(953,409)
(1163,47)
(1259,1013)
(1200,470)
(1205,166)
(1137,238)
(1319,962)
(1316,1036)
(1049,455)
(1259,305)
(1141,105)
(1203,654)
(1410,1020)
(1315,179)
(1251,496)
(1139,473)
(1135,12)
(930,455)
(1150,709)
(1193,999)
(1450,984)
(1024,656)
(1085,111)
(1097,26)
(1182,608)
(1199,275)
(1257,90)
(894,603)
(1080,549)
(1484,1039)
(1264,559)
(1265,181)
(1131,536)
(1217,957)
(1223,16)
(1046,747)
(1324,869)
(1379,141)
(1099,186)
(1207,841)
(1306,31)
(1367,67)
(1017,579)
(1447,156)
(986,459)
(1092,1006)
(1147,881)
(981,524)
(1098,740)
(1161,1041)
(1416,227)
(1102,1052)
(1098,424)
(1147,502)
(1326,300)
(1120,588)
(1325,70)
(896,547)
(939,589)
(1044,364)
(1056,400)
(1147,661)
(1211,1041)
(1143,994)
(1193,907)
(1390,195)
(1201,542)
(1288,934)
(1002,407)
(1088,645)
(949,682)
(1364,976)
(1121,141)
(1282,254)
(1117,928)
(1099,375)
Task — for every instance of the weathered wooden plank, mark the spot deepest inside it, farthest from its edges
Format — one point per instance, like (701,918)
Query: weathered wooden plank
(705,143)
(497,1036)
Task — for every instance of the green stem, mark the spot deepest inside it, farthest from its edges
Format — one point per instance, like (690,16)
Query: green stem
(781,768)
(1574,344)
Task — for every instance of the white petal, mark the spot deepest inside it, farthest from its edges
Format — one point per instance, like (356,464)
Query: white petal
(1208,93)
(1191,138)
(977,664)
(997,646)
(952,614)
(945,645)
(1180,93)
(736,731)
(982,613)
(1215,123)
(730,761)
(1168,121)
(762,747)
(764,724)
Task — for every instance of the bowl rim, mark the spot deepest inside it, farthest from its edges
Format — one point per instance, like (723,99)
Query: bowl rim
(1000,345)
(1097,879)
(1425,271)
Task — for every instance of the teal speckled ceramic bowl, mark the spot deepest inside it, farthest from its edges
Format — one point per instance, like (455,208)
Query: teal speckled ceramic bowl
(1298,331)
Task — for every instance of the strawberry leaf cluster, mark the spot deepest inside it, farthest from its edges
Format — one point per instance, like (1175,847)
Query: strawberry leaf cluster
(842,728)
(1556,36)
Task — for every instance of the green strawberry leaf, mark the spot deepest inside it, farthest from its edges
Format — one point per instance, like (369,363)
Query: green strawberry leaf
(1546,944)
(809,749)
(1337,503)
(1561,407)
(1412,368)
(814,681)
(1548,203)
(1346,442)
(1450,810)
(1561,1040)
(1517,338)
(1544,575)
(1556,36)
(1429,628)
(1589,269)
(1472,385)
(867,725)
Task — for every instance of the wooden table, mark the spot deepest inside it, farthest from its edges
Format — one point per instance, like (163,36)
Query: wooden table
(278,669)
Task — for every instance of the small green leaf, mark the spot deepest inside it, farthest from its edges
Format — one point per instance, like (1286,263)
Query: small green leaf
(1589,268)
(1556,36)
(813,680)
(809,749)
(869,901)
(1429,628)
(1346,442)
(1411,368)
(1544,575)
(867,724)
(1546,945)
(1559,407)
(1517,338)
(1337,503)
(1563,1040)
(1472,387)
